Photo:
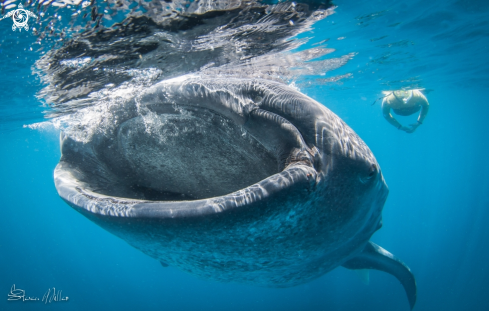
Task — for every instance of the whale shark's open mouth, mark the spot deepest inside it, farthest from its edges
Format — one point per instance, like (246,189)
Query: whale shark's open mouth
(192,156)
(184,148)
(183,154)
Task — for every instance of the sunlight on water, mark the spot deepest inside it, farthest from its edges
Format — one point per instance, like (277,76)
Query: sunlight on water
(102,66)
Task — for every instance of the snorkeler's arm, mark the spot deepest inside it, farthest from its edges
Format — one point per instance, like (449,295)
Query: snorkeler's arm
(386,111)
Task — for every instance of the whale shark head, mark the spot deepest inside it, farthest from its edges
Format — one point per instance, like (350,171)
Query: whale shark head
(229,179)
(195,139)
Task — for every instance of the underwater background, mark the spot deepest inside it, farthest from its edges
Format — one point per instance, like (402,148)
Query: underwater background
(435,218)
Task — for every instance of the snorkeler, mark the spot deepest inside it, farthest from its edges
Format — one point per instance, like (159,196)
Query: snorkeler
(405,103)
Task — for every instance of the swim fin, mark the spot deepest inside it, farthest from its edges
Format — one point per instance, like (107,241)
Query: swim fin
(375,257)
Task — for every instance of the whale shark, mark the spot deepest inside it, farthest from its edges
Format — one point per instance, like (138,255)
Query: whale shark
(233,180)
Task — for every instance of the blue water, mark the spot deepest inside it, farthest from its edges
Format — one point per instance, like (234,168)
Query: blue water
(435,218)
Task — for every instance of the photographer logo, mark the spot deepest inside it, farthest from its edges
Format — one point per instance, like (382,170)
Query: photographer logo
(20,17)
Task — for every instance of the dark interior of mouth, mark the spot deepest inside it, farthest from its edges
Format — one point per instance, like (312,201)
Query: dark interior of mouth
(185,154)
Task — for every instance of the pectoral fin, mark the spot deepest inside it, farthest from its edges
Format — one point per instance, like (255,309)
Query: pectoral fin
(375,257)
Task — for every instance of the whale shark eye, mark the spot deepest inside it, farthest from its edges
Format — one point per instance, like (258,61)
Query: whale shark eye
(372,171)
(369,174)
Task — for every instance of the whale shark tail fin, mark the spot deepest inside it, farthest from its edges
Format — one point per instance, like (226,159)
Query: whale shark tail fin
(375,257)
